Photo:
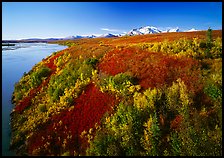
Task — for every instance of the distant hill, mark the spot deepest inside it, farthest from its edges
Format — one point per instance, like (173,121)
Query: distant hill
(136,31)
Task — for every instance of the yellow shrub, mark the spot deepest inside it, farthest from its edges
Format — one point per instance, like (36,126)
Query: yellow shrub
(178,98)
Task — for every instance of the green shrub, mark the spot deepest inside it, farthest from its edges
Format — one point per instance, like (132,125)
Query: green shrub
(209,35)
(203,45)
(213,91)
(122,131)
(67,153)
(69,100)
(92,61)
(57,93)
(175,144)
(85,71)
(216,49)
(18,96)
(37,76)
(119,83)
(100,145)
(44,72)
(42,108)
(67,78)
(151,138)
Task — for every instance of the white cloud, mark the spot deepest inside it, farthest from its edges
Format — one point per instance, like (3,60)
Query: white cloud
(111,30)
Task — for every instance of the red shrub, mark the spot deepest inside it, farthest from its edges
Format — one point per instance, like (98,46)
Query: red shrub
(114,62)
(152,69)
(50,63)
(89,109)
(176,122)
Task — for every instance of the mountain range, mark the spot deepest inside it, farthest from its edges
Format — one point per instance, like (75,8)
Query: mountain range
(152,30)
(136,31)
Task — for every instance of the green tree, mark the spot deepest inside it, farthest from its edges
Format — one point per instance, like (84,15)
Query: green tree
(208,42)
(209,35)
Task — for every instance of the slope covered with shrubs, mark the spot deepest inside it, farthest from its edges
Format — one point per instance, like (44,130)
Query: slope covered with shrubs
(151,95)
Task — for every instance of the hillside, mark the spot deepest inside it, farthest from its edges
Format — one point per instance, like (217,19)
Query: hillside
(155,94)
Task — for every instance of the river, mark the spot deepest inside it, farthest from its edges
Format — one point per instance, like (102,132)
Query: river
(15,61)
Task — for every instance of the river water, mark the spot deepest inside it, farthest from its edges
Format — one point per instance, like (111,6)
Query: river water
(15,61)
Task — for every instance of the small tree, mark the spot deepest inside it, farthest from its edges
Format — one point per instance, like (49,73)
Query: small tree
(208,42)
(209,35)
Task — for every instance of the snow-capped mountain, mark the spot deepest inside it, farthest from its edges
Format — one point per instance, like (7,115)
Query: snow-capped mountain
(136,31)
(73,37)
(79,36)
(108,35)
(144,30)
(90,36)
(173,30)
(152,30)
(149,30)
(191,30)
(122,34)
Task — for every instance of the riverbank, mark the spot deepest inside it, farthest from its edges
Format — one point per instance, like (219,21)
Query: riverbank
(26,56)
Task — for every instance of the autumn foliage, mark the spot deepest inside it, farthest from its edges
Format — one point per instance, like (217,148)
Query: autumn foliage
(149,95)
(68,125)
(152,69)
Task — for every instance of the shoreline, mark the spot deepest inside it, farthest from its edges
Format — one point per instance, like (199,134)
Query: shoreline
(14,77)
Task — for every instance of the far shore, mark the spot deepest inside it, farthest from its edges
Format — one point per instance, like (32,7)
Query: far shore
(8,44)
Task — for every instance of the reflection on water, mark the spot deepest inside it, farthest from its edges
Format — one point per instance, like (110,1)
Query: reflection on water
(15,61)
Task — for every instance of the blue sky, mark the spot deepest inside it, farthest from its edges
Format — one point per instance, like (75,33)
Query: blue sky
(61,19)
